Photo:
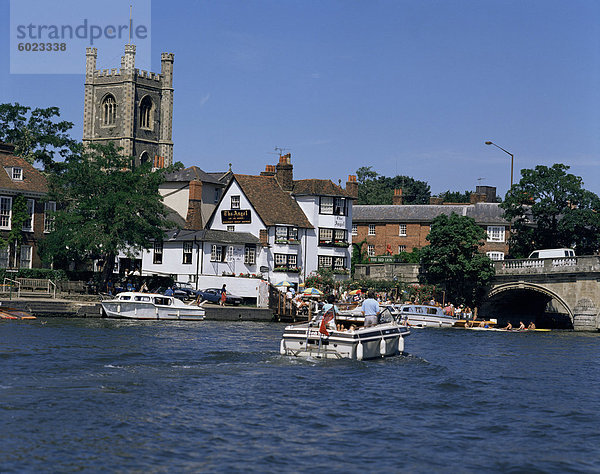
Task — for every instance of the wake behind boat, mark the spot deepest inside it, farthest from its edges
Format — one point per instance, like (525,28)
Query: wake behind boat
(134,305)
(350,340)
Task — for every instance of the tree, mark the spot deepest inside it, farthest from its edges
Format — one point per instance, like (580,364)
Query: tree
(104,208)
(358,254)
(452,260)
(36,134)
(549,208)
(456,196)
(375,189)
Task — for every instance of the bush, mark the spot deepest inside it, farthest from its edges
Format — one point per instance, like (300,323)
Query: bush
(41,273)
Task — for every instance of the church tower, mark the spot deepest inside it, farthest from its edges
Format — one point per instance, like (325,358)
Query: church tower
(130,107)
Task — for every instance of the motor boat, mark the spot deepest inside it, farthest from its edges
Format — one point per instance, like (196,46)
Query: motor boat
(422,315)
(134,305)
(350,339)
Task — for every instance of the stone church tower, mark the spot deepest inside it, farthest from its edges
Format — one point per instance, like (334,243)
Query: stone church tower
(130,107)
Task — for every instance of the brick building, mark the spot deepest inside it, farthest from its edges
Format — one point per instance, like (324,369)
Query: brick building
(18,177)
(391,229)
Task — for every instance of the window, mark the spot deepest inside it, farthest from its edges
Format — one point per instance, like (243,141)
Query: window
(230,228)
(280,259)
(5,212)
(281,233)
(325,236)
(28,224)
(109,110)
(25,256)
(144,158)
(4,257)
(229,257)
(371,250)
(146,113)
(217,195)
(340,236)
(283,261)
(326,205)
(17,174)
(401,248)
(285,234)
(402,230)
(371,229)
(292,260)
(250,254)
(339,206)
(235,202)
(49,209)
(325,261)
(495,233)
(339,263)
(354,229)
(218,253)
(495,255)
(293,233)
(158,253)
(187,253)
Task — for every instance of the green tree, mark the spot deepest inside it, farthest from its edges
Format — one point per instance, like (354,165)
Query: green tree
(36,134)
(358,254)
(549,208)
(103,208)
(452,260)
(456,196)
(376,189)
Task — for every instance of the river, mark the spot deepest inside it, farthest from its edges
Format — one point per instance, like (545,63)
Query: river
(105,395)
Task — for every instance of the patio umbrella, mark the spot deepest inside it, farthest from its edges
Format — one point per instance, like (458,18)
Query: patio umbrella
(355,292)
(284,283)
(312,292)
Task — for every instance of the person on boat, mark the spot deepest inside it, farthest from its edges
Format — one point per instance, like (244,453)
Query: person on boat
(169,292)
(144,288)
(508,327)
(223,295)
(370,309)
(531,325)
(330,305)
(521,326)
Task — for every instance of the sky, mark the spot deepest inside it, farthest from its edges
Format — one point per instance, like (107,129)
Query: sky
(408,87)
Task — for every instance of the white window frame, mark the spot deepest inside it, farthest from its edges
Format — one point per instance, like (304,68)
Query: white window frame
(250,254)
(5,212)
(326,205)
(402,230)
(235,202)
(495,256)
(354,229)
(157,257)
(325,261)
(49,207)
(17,173)
(372,229)
(401,248)
(339,263)
(26,256)
(371,250)
(28,225)
(280,260)
(230,228)
(187,253)
(216,253)
(496,233)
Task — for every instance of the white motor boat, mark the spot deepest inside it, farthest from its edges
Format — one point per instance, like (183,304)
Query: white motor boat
(422,315)
(134,305)
(353,342)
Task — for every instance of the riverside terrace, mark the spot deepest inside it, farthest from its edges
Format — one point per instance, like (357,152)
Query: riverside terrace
(558,292)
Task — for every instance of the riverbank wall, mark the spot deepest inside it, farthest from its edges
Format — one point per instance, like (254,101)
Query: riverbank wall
(70,308)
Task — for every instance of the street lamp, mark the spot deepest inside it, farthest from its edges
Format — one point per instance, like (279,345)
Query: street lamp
(512,160)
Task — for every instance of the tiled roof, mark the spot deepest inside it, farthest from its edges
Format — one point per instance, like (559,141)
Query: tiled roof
(33,180)
(207,235)
(273,204)
(483,213)
(191,173)
(318,187)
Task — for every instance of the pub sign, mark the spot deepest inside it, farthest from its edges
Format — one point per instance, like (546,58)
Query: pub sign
(236,216)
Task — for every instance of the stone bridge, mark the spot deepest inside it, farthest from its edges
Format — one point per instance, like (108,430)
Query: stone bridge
(552,292)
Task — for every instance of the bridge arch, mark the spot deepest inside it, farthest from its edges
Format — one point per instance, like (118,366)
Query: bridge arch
(504,300)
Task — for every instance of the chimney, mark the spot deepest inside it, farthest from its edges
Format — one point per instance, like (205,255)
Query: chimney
(193,219)
(285,172)
(477,197)
(352,186)
(263,235)
(397,197)
(437,201)
(269,171)
(489,191)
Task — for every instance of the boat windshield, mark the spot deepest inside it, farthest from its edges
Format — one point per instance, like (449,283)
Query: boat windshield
(162,301)
(385,316)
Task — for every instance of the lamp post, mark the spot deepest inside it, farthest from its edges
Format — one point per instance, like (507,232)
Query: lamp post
(512,160)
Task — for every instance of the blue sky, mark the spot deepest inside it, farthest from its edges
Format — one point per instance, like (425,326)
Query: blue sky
(410,87)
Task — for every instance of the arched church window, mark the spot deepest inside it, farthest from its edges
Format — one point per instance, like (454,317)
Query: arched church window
(109,110)
(144,157)
(146,112)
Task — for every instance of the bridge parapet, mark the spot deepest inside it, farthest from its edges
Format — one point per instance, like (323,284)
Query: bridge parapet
(539,266)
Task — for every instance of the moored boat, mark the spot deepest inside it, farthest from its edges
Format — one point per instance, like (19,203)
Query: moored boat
(135,305)
(422,315)
(348,340)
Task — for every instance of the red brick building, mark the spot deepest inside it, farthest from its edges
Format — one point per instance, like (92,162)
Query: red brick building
(391,229)
(18,177)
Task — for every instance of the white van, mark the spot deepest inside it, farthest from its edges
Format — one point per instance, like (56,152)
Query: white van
(552,253)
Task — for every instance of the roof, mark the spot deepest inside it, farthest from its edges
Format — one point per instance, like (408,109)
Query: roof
(33,180)
(272,204)
(191,173)
(207,235)
(320,187)
(483,213)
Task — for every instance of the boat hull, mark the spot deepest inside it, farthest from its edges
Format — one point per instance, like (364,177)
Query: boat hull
(383,340)
(148,307)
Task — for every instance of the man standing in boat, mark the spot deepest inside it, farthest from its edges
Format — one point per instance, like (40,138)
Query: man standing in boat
(370,309)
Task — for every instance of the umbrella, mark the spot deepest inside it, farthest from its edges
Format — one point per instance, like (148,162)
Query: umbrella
(312,292)
(284,283)
(355,292)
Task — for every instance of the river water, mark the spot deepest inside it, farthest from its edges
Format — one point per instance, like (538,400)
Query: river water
(104,395)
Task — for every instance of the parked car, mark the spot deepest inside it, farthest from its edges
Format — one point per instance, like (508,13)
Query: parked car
(213,295)
(182,291)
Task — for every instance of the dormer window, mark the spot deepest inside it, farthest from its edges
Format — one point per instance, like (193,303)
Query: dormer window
(17,174)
